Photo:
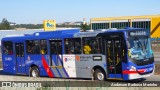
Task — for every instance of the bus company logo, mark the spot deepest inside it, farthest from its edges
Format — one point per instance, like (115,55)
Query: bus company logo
(6,84)
(78,58)
(85,58)
(49,25)
(66,59)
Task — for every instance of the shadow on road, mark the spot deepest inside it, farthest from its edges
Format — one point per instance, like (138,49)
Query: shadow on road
(81,79)
(5,73)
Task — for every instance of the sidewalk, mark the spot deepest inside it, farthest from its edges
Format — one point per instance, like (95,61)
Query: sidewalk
(157,54)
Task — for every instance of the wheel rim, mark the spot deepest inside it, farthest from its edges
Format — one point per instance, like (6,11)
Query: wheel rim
(100,76)
(34,73)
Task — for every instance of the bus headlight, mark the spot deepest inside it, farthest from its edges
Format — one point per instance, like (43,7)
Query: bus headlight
(133,68)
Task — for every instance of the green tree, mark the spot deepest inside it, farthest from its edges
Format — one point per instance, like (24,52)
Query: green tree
(85,27)
(4,24)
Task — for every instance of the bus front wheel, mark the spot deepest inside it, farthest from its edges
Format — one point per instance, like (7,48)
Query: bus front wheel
(99,75)
(34,72)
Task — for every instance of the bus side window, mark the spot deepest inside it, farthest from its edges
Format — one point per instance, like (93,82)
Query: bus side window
(59,47)
(92,45)
(8,47)
(73,46)
(77,46)
(43,44)
(53,47)
(56,47)
(33,47)
(36,47)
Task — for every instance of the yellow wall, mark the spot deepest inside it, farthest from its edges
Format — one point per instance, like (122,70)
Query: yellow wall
(155,27)
(125,18)
(49,25)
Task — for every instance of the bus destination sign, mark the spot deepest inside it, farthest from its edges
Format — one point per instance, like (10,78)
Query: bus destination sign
(137,33)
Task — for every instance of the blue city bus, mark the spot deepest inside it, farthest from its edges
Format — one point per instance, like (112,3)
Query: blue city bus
(124,54)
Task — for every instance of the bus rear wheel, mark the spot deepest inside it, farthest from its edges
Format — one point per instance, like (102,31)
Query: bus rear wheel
(99,75)
(34,72)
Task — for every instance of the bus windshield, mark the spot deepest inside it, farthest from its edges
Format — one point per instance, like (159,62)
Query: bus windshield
(139,48)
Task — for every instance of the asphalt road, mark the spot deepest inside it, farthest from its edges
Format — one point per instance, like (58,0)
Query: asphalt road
(76,84)
(157,60)
(157,57)
(9,77)
(80,84)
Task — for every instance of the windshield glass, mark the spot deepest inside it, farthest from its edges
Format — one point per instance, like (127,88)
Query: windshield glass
(139,48)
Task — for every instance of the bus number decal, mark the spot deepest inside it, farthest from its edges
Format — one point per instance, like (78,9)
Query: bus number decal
(8,58)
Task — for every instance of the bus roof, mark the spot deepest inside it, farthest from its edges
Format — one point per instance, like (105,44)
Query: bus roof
(66,34)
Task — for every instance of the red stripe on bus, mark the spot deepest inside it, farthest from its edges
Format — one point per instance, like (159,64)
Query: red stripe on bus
(141,70)
(133,72)
(129,72)
(46,67)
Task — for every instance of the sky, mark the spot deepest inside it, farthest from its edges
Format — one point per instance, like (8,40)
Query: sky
(35,11)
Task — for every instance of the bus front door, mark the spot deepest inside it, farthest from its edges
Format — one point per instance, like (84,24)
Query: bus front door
(20,61)
(56,53)
(113,56)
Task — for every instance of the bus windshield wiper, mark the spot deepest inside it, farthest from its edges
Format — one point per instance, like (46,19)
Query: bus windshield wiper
(139,42)
(146,43)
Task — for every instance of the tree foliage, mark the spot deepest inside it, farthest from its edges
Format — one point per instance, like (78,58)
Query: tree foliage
(28,26)
(4,25)
(85,27)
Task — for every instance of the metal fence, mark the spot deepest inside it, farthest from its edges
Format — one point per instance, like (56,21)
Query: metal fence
(155,44)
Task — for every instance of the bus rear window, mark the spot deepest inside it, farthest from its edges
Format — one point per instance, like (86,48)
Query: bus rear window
(7,48)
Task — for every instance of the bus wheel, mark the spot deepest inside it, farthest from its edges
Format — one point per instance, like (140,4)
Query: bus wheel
(34,72)
(99,75)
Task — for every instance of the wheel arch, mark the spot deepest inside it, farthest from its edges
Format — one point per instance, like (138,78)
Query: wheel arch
(33,65)
(100,68)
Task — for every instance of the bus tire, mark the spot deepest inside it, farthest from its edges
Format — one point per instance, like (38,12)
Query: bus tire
(34,72)
(99,75)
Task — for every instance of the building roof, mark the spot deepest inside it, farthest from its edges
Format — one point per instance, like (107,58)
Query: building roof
(125,17)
